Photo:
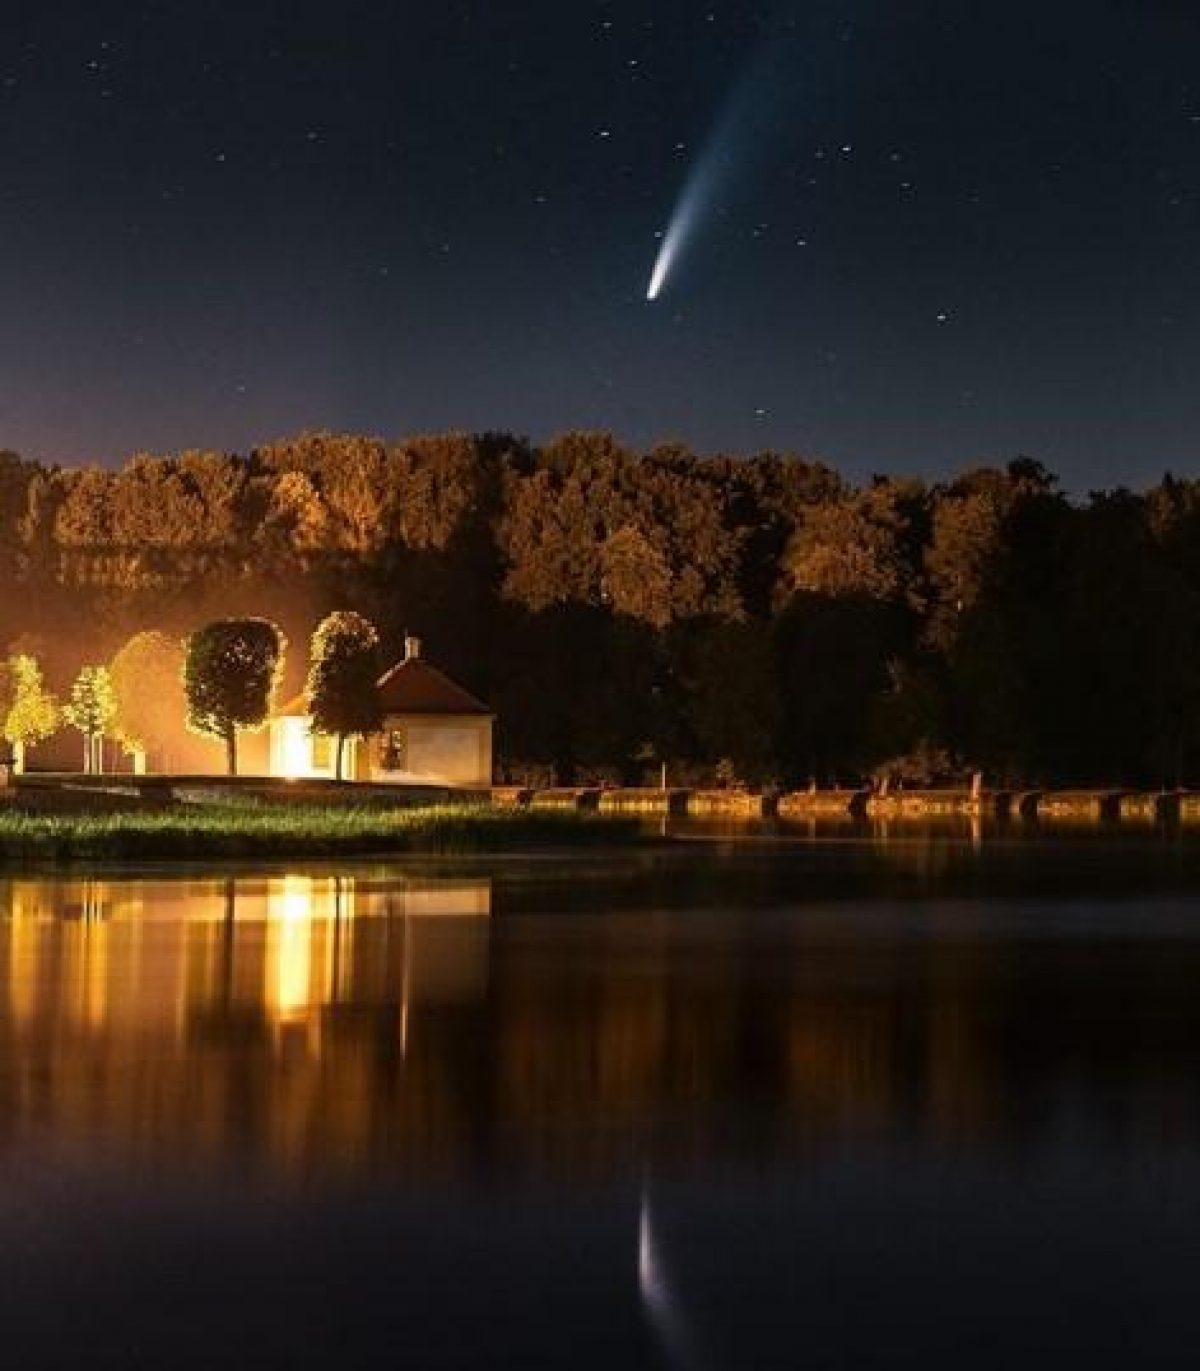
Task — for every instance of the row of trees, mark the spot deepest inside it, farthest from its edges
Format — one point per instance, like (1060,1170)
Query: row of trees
(760,615)
(131,700)
(220,681)
(232,667)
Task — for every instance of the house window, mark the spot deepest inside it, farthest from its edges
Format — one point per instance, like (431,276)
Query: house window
(393,755)
(322,752)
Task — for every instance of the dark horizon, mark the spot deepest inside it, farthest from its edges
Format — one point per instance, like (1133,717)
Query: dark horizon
(918,241)
(951,474)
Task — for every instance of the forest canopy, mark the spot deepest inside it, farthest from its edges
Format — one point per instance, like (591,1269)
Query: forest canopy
(759,617)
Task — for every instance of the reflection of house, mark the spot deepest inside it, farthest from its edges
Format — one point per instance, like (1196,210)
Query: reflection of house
(434,731)
(300,1019)
(143,955)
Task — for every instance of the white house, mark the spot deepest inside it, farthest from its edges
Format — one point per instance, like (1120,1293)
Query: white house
(434,733)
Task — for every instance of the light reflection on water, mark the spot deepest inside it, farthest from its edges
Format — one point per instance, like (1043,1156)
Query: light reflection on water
(703,1007)
(697,1104)
(150,1005)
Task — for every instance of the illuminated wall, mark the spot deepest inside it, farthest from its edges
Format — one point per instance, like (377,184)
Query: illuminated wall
(443,750)
(450,750)
(297,754)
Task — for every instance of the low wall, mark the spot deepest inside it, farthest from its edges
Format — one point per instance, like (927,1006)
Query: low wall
(1080,806)
(644,801)
(939,804)
(1023,804)
(1046,806)
(1150,807)
(566,797)
(733,804)
(823,804)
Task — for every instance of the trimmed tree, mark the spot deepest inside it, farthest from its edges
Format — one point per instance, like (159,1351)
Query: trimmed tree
(147,680)
(32,714)
(230,670)
(341,692)
(91,710)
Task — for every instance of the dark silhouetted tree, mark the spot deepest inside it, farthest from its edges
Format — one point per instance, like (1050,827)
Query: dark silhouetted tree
(231,669)
(341,691)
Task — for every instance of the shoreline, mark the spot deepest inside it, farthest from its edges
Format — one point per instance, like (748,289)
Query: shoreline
(285,833)
(77,825)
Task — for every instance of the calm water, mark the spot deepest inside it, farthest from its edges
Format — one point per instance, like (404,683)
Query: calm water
(830,1103)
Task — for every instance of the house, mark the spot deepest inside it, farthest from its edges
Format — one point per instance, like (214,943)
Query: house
(434,732)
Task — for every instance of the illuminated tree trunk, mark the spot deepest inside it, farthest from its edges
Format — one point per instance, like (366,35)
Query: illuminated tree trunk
(337,756)
(231,751)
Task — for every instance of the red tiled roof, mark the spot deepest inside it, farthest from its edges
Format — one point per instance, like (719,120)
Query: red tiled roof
(410,687)
(415,687)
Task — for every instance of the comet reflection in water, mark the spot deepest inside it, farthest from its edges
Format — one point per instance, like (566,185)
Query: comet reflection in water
(754,108)
(663,1310)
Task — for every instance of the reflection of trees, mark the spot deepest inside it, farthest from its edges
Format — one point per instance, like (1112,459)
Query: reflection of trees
(326,1023)
(267,1018)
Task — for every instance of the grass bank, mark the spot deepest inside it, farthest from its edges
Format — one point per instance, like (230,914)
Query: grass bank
(278,831)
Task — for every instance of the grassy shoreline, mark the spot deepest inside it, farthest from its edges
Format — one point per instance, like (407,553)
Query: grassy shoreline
(269,831)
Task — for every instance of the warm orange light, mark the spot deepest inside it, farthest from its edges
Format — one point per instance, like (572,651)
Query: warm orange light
(292,746)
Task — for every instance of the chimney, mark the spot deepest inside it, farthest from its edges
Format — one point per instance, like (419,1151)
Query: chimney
(412,647)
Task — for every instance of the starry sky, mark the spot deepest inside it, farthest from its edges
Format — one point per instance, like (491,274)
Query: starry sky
(926,234)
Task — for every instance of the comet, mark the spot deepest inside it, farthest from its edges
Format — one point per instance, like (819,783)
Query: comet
(708,175)
(688,208)
(743,127)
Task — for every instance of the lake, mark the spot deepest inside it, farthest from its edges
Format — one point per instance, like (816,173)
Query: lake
(925,1098)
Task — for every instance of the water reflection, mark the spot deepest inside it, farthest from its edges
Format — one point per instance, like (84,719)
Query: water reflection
(713,1109)
(264,1015)
(377,1020)
(665,1312)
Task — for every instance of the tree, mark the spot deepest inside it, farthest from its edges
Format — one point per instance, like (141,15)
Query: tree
(147,681)
(230,671)
(856,546)
(33,712)
(634,577)
(341,690)
(730,697)
(91,710)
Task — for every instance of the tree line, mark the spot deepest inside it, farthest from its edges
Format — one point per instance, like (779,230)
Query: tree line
(756,618)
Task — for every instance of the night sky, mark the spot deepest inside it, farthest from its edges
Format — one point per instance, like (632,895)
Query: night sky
(925,234)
